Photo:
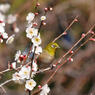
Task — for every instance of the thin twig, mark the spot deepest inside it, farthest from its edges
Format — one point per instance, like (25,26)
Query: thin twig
(3,89)
(66,29)
(66,59)
(4,71)
(5,82)
(76,44)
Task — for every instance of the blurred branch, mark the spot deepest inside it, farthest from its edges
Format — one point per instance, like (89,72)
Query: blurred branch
(75,19)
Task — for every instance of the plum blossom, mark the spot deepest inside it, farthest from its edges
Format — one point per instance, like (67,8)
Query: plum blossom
(43,18)
(45,90)
(36,40)
(16,76)
(17,55)
(13,65)
(25,72)
(2,17)
(31,32)
(2,30)
(30,17)
(3,35)
(2,23)
(30,84)
(16,30)
(10,39)
(4,7)
(11,19)
(34,66)
(38,50)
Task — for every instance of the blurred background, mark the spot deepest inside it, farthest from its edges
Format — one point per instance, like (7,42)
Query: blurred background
(76,78)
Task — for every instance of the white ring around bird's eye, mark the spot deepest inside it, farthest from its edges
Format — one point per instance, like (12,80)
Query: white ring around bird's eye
(52,46)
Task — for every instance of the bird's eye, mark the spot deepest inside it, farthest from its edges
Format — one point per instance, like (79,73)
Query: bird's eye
(53,46)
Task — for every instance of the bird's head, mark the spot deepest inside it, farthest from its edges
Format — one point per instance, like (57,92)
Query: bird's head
(51,47)
(54,45)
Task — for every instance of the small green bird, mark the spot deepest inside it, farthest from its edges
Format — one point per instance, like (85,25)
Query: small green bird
(47,56)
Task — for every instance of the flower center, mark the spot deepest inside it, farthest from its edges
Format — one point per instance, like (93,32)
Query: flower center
(37,39)
(31,32)
(25,73)
(30,83)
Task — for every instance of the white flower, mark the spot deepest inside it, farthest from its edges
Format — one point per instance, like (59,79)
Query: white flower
(16,30)
(30,17)
(5,35)
(45,90)
(11,19)
(33,74)
(2,29)
(10,39)
(4,7)
(34,66)
(2,17)
(31,32)
(43,18)
(25,72)
(16,76)
(13,65)
(38,50)
(2,23)
(30,84)
(29,25)
(36,40)
(17,55)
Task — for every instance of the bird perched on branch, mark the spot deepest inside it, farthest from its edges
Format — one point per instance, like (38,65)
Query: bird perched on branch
(47,56)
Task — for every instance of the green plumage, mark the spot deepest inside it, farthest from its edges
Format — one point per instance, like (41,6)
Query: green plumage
(48,54)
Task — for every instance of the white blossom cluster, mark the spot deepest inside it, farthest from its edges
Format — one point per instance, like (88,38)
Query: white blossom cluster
(32,33)
(26,72)
(3,9)
(45,90)
(3,34)
(24,76)
(10,19)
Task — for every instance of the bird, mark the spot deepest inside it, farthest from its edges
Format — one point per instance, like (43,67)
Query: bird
(48,55)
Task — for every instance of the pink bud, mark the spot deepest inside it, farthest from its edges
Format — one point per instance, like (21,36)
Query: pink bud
(83,35)
(46,9)
(36,14)
(92,39)
(70,59)
(64,33)
(35,24)
(39,86)
(71,52)
(32,69)
(44,23)
(92,32)
(76,20)
(1,21)
(38,4)
(13,65)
